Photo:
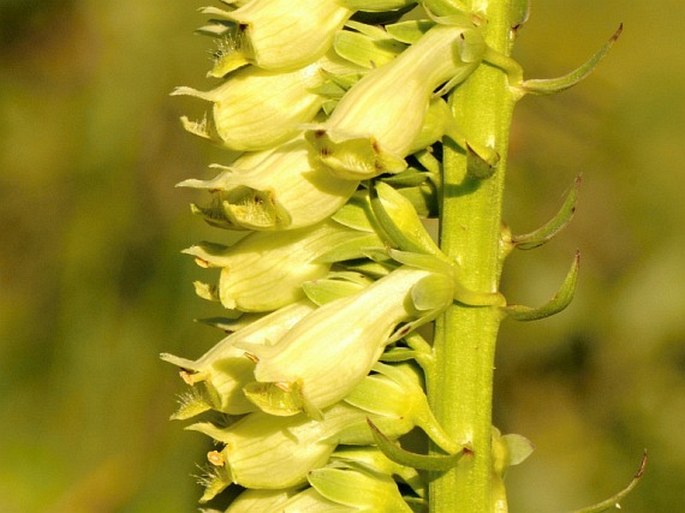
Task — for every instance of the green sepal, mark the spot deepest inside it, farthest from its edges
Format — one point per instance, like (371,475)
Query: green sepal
(424,199)
(553,226)
(329,106)
(394,452)
(362,491)
(410,31)
(430,163)
(438,263)
(556,85)
(398,355)
(399,220)
(418,349)
(410,177)
(440,9)
(614,502)
(342,81)
(366,48)
(375,270)
(330,89)
(350,249)
(356,213)
(334,286)
(374,460)
(555,305)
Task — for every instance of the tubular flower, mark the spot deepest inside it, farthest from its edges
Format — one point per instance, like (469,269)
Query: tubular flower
(224,370)
(256,109)
(266,452)
(265,271)
(280,34)
(375,125)
(295,374)
(287,189)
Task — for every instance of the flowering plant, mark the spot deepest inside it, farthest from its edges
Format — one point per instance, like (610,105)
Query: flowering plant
(359,123)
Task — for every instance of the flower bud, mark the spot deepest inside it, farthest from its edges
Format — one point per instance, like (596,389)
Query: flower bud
(280,34)
(287,189)
(304,372)
(376,123)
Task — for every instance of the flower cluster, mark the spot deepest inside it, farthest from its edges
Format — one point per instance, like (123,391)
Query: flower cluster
(334,108)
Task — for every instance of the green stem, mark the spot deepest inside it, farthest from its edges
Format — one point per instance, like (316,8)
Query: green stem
(460,388)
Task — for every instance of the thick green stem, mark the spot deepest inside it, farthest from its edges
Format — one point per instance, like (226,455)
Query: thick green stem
(460,388)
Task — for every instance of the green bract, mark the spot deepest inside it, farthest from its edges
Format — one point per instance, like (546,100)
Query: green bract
(375,125)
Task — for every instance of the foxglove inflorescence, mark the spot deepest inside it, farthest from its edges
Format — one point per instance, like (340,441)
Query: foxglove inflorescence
(336,112)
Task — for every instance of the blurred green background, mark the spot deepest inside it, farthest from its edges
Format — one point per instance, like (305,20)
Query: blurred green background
(92,285)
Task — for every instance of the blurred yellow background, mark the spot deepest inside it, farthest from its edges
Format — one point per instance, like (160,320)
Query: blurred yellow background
(93,287)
